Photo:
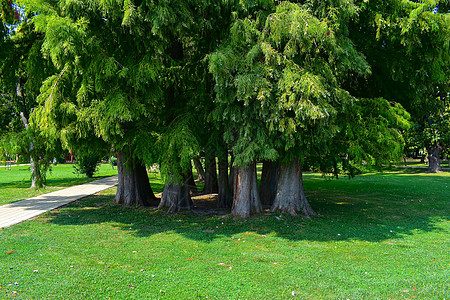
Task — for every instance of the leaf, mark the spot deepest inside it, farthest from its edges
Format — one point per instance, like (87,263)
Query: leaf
(10,252)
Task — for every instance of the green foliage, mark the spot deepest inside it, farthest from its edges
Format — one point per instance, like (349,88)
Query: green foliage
(87,165)
(177,146)
(278,82)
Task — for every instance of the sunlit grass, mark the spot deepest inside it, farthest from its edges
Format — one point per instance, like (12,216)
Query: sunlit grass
(378,236)
(15,182)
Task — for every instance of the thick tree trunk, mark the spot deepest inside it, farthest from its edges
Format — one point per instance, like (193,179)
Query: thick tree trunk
(211,185)
(290,197)
(176,196)
(134,186)
(224,199)
(246,197)
(269,182)
(231,177)
(191,182)
(434,158)
(199,167)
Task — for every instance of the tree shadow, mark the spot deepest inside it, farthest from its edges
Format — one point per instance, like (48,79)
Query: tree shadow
(373,208)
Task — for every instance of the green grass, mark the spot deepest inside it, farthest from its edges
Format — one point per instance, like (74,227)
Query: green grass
(378,236)
(15,182)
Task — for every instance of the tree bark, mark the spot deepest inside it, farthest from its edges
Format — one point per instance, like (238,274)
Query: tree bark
(33,169)
(198,166)
(211,185)
(269,182)
(434,158)
(231,177)
(246,197)
(290,197)
(224,199)
(191,182)
(176,196)
(134,187)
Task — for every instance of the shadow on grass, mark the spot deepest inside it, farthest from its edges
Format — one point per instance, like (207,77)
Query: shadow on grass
(372,208)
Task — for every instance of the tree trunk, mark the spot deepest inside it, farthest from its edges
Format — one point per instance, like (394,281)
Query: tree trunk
(231,177)
(134,186)
(198,166)
(176,196)
(191,182)
(211,185)
(224,199)
(32,162)
(269,182)
(434,158)
(246,197)
(290,197)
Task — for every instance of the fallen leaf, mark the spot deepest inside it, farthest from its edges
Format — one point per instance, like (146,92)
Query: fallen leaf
(10,252)
(131,287)
(221,264)
(190,258)
(209,230)
(230,267)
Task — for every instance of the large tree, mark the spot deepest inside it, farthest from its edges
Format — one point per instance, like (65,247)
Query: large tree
(22,70)
(131,73)
(279,84)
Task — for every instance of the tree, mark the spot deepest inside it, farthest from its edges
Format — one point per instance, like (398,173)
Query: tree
(280,87)
(22,69)
(407,45)
(129,79)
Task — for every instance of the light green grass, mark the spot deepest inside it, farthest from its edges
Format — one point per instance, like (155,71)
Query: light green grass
(378,236)
(15,182)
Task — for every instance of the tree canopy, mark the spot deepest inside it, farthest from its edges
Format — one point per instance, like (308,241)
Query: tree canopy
(325,85)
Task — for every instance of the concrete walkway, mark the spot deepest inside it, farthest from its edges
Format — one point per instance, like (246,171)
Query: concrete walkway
(20,211)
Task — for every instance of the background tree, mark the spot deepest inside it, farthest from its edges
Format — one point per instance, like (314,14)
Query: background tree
(22,70)
(407,45)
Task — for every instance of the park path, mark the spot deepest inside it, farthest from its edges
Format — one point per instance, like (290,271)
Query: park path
(20,211)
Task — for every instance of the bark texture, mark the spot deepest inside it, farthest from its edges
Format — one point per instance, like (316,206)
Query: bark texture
(269,182)
(191,182)
(33,169)
(176,195)
(224,200)
(290,197)
(434,158)
(211,184)
(246,197)
(134,186)
(199,167)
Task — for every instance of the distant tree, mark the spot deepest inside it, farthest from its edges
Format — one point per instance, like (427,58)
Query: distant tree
(407,44)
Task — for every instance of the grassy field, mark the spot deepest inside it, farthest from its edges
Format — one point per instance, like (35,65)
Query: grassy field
(15,182)
(378,236)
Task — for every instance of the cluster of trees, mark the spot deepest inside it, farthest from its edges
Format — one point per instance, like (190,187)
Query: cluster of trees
(324,85)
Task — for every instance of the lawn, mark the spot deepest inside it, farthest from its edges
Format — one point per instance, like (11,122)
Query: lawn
(378,236)
(15,182)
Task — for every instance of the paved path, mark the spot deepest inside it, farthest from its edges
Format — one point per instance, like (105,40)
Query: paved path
(13,165)
(20,211)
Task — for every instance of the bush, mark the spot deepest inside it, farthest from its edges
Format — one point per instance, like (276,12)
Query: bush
(87,165)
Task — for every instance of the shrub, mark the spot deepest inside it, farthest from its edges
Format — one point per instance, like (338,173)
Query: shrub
(87,164)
